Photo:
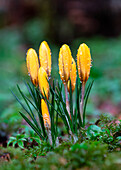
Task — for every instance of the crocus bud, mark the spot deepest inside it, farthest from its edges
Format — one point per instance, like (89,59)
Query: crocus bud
(83,62)
(32,65)
(43,83)
(45,114)
(72,76)
(45,57)
(65,60)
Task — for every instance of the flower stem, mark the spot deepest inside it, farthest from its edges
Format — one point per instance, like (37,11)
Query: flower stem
(67,101)
(82,100)
(49,136)
(57,142)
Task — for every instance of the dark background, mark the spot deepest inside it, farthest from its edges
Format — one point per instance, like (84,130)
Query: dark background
(25,24)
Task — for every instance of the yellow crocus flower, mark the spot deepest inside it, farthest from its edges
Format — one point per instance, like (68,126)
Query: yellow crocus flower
(45,114)
(65,60)
(43,83)
(83,62)
(32,65)
(45,57)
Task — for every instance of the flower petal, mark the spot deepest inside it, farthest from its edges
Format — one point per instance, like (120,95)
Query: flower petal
(43,83)
(45,114)
(45,57)
(65,60)
(32,65)
(83,62)
(72,76)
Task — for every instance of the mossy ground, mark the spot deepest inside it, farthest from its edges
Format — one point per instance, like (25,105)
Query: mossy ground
(98,147)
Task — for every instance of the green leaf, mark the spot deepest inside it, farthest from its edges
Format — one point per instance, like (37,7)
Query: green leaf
(32,125)
(23,139)
(37,140)
(14,143)
(30,91)
(56,125)
(78,91)
(52,114)
(40,116)
(64,118)
(21,144)
(86,99)
(12,138)
(22,105)
(118,138)
(71,103)
(10,141)
(33,116)
(93,131)
(75,120)
(31,102)
(65,112)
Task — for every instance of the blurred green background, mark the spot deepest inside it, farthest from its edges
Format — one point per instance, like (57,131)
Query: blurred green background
(25,24)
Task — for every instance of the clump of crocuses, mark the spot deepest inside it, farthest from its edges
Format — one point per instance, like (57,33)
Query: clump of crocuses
(39,69)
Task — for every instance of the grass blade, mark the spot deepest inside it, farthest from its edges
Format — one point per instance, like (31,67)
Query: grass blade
(86,99)
(34,118)
(71,103)
(78,100)
(67,116)
(32,126)
(22,105)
